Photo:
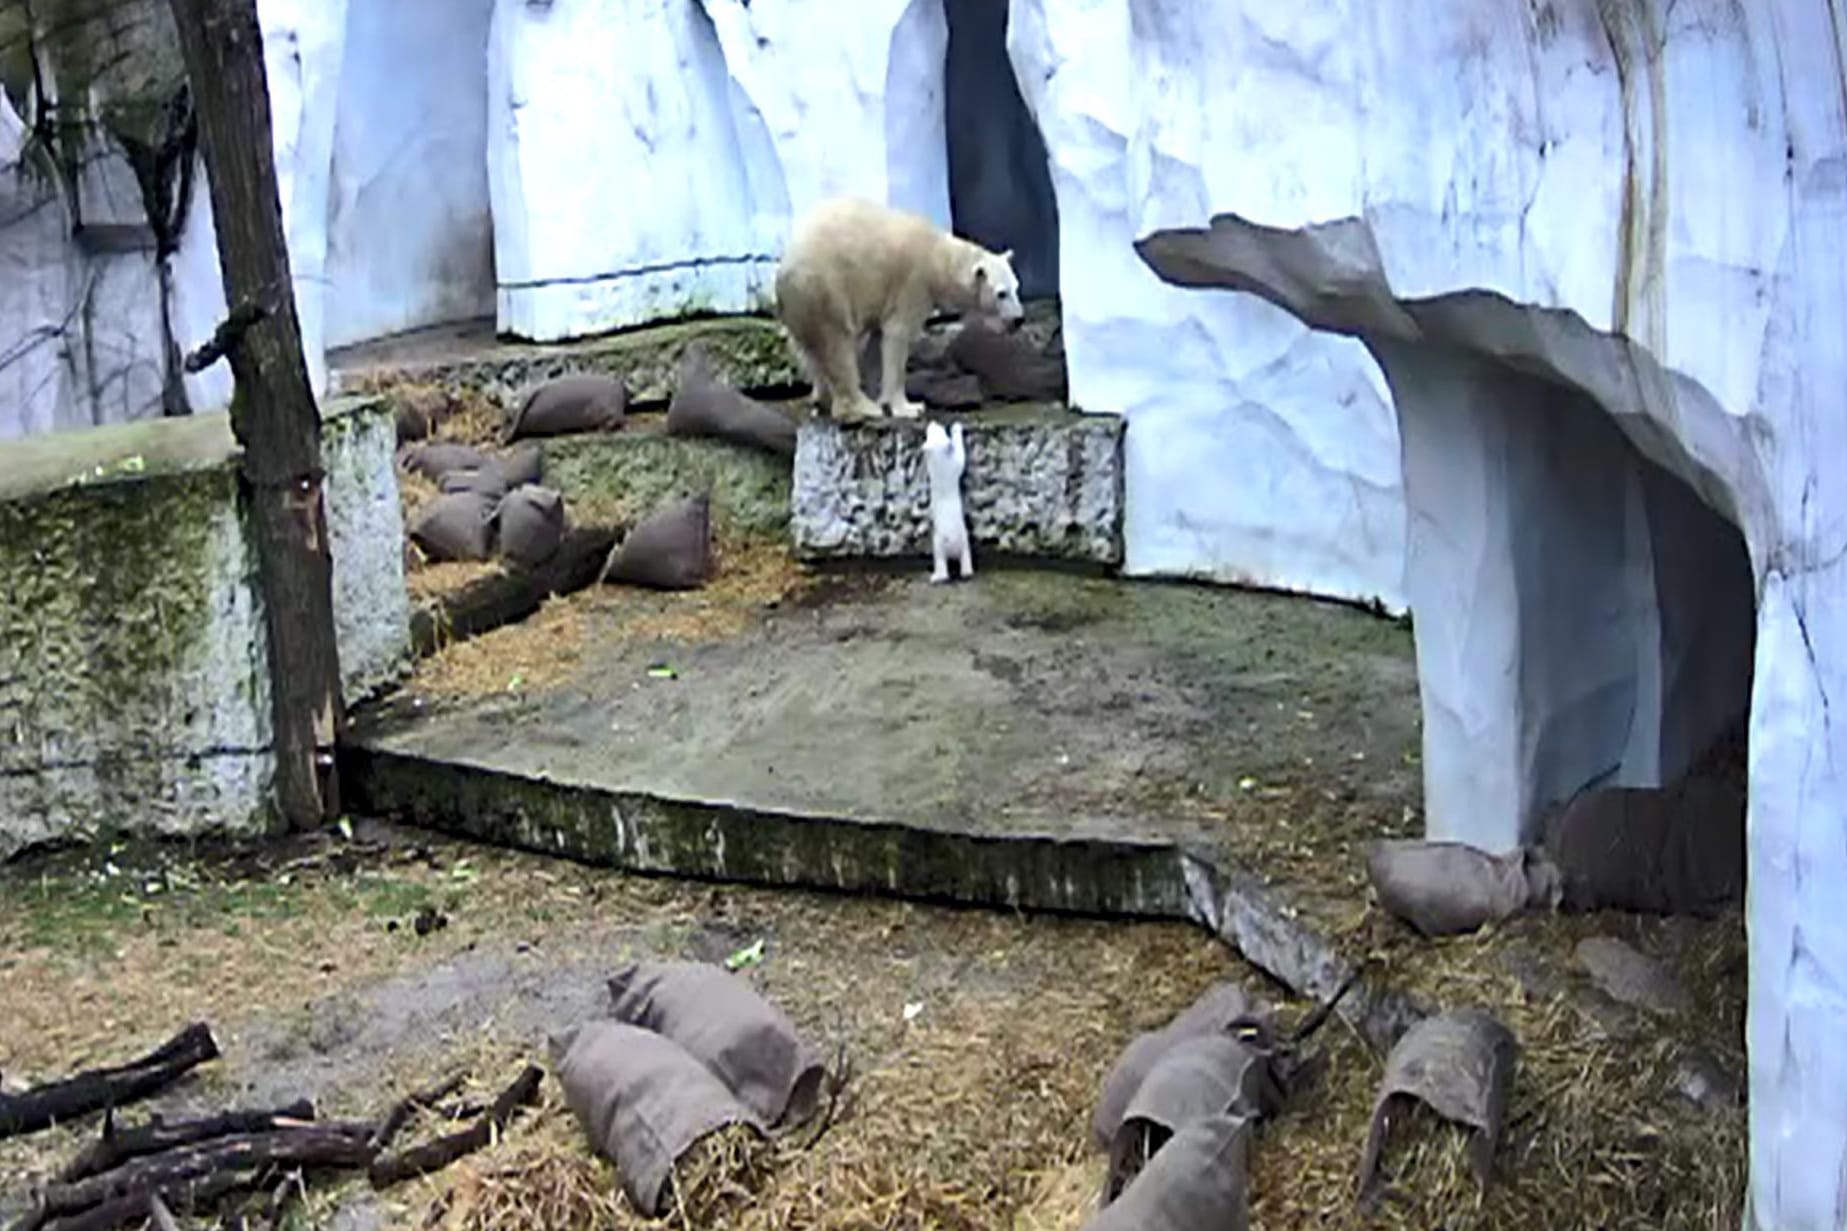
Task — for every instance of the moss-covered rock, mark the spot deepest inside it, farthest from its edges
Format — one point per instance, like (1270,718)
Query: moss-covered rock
(134,676)
(619,477)
(134,689)
(749,353)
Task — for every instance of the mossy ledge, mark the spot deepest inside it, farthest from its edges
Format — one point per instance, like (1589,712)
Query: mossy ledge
(748,352)
(639,831)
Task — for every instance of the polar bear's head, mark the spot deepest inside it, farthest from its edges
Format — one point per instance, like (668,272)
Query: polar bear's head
(995,288)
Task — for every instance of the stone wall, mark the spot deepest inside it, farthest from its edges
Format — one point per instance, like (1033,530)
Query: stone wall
(1042,483)
(134,682)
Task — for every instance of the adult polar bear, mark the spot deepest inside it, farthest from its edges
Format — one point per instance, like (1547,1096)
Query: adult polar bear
(852,265)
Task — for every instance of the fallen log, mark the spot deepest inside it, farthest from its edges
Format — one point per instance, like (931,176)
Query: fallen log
(437,1154)
(115,1146)
(61,1101)
(132,1210)
(398,1116)
(251,1155)
(501,598)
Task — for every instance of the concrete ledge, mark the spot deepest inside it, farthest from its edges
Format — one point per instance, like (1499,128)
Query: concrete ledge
(134,676)
(714,840)
(749,353)
(1041,482)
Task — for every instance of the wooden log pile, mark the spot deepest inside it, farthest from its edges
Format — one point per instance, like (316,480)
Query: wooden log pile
(147,1172)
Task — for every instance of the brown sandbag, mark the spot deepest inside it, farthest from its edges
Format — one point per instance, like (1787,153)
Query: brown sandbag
(531,525)
(1198,1181)
(418,415)
(436,458)
(1448,888)
(523,465)
(457,526)
(703,407)
(1223,1008)
(579,402)
(1197,1078)
(671,549)
(1676,850)
(642,1100)
(490,481)
(1461,1065)
(1008,364)
(720,1020)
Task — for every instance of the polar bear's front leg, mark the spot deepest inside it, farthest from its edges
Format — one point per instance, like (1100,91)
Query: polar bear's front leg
(841,363)
(897,331)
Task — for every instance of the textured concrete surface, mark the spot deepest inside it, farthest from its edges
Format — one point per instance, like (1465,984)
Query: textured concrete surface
(134,681)
(1039,740)
(748,352)
(1041,482)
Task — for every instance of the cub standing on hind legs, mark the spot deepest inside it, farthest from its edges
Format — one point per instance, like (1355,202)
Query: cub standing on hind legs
(852,265)
(944,460)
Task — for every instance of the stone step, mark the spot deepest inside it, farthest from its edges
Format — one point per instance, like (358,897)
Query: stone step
(1042,482)
(719,840)
(750,353)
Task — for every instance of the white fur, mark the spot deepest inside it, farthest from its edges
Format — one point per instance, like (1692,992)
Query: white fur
(853,265)
(944,460)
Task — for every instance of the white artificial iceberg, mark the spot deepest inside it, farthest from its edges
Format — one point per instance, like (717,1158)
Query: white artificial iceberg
(1259,451)
(1601,254)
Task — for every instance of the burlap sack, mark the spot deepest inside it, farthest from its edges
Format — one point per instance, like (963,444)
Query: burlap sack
(531,525)
(419,414)
(1676,850)
(1223,1008)
(670,550)
(642,1100)
(1197,1181)
(433,459)
(703,407)
(1447,888)
(580,402)
(721,1020)
(490,480)
(1197,1078)
(1008,364)
(523,465)
(1461,1064)
(458,526)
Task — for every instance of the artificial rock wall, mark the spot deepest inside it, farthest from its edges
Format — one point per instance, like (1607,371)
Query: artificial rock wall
(1595,219)
(1258,450)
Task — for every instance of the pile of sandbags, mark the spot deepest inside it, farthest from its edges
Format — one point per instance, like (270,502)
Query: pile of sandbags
(690,1049)
(491,504)
(1175,1113)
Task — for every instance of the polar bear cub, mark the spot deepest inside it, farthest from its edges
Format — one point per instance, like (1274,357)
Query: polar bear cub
(944,460)
(851,265)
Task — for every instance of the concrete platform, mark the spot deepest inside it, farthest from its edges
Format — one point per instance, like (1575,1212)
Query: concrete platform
(1030,739)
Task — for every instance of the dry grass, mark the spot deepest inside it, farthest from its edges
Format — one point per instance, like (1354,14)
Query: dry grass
(971,1116)
(1593,1139)
(955,1117)
(533,654)
(541,651)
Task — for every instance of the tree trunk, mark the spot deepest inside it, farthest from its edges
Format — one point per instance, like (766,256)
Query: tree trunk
(273,412)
